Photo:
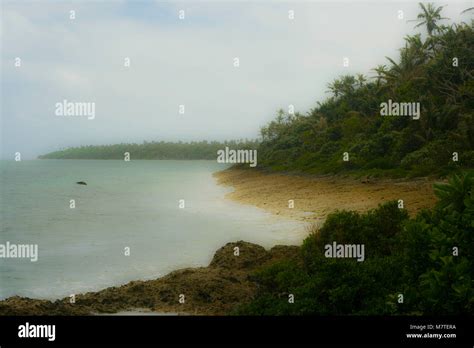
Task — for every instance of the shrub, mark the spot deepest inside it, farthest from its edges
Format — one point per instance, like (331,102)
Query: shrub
(428,259)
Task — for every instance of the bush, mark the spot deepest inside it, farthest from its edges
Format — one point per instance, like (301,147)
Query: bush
(375,229)
(428,259)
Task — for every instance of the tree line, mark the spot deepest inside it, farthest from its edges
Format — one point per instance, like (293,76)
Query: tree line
(435,70)
(155,150)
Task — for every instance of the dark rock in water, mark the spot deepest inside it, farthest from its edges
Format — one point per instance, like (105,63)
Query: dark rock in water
(81,183)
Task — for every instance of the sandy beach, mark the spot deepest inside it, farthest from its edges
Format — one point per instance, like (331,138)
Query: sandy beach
(315,197)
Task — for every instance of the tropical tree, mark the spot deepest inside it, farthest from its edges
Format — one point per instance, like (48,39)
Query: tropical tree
(430,16)
(453,194)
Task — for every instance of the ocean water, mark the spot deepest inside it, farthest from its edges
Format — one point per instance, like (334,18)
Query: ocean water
(124,205)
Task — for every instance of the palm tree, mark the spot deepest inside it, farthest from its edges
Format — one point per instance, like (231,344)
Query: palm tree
(361,80)
(380,72)
(335,87)
(452,196)
(345,85)
(429,16)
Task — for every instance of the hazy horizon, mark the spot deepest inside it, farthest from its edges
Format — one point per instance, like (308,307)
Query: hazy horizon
(176,62)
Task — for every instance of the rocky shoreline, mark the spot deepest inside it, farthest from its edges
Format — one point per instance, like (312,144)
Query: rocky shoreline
(315,197)
(213,290)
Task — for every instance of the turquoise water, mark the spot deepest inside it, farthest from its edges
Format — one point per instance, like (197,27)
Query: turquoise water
(125,204)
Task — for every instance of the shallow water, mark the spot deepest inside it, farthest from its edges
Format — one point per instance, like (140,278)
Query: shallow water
(124,205)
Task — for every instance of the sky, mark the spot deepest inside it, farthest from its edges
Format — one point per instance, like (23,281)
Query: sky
(175,62)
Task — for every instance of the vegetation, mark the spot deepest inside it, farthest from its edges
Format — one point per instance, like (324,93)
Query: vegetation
(413,266)
(428,260)
(152,150)
(436,70)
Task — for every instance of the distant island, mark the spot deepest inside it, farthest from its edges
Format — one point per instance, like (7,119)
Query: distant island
(154,150)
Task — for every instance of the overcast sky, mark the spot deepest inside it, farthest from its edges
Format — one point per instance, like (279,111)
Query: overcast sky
(173,62)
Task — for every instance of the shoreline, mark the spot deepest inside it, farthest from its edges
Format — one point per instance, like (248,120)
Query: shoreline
(216,289)
(315,197)
(226,283)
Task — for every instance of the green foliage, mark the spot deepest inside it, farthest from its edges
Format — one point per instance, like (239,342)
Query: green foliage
(327,286)
(429,16)
(453,195)
(428,259)
(194,150)
(375,229)
(350,121)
